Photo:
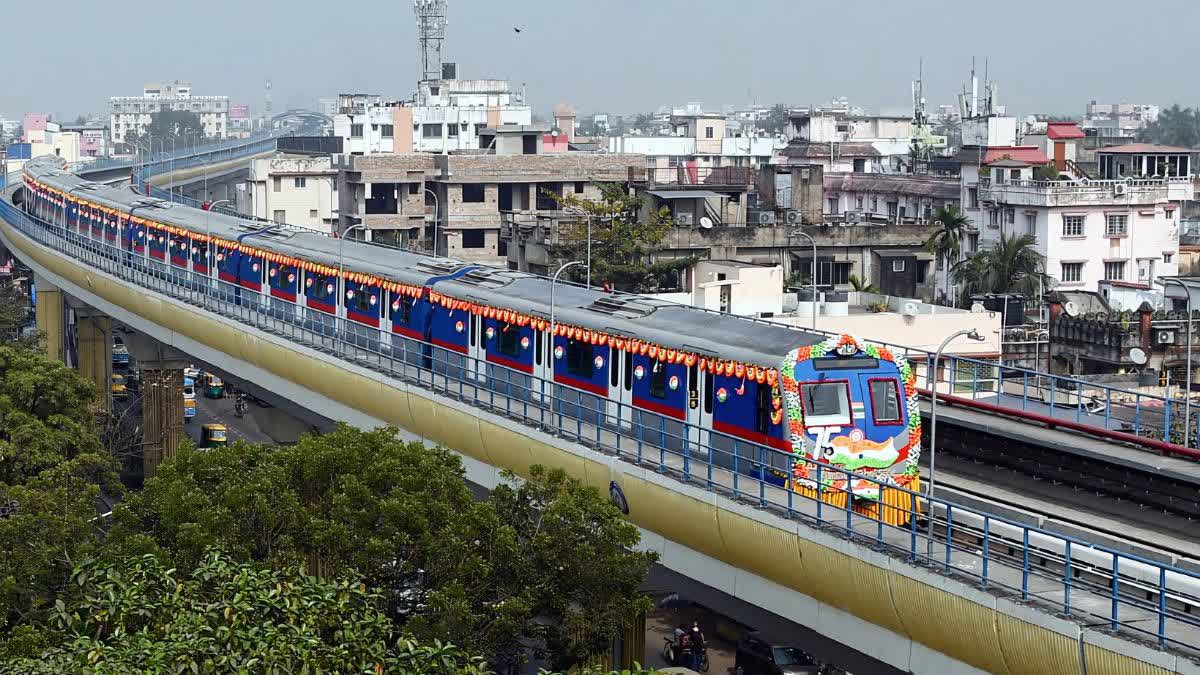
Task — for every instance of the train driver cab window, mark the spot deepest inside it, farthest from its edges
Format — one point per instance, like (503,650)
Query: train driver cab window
(826,404)
(658,380)
(885,401)
(510,340)
(579,359)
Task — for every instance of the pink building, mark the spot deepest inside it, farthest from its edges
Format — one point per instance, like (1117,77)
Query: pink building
(35,125)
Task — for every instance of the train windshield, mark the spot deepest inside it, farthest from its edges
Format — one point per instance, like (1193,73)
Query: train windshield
(885,401)
(826,404)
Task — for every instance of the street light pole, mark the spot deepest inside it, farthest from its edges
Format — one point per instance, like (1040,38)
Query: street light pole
(435,218)
(553,282)
(933,392)
(1187,401)
(798,233)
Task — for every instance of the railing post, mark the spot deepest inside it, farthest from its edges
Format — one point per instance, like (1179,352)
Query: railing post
(1067,579)
(1116,584)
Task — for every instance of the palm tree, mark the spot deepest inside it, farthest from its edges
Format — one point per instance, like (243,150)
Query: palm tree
(1011,265)
(946,242)
(861,285)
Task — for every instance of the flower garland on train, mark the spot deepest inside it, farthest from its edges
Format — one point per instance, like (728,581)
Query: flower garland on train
(791,391)
(759,374)
(643,347)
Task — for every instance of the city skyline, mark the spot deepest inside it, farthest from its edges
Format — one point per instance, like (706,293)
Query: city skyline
(627,58)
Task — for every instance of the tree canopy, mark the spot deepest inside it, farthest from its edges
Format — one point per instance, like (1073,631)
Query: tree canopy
(499,577)
(1175,126)
(52,472)
(624,234)
(1010,265)
(776,120)
(138,615)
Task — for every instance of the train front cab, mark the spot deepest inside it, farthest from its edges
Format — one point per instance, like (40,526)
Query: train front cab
(855,409)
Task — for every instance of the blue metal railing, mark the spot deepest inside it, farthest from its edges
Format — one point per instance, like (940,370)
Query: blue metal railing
(1097,585)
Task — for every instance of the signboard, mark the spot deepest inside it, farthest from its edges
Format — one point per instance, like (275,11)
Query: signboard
(239,112)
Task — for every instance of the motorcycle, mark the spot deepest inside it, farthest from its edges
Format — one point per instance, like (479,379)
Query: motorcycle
(239,406)
(670,655)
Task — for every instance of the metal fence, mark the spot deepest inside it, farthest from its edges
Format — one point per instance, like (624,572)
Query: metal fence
(1095,585)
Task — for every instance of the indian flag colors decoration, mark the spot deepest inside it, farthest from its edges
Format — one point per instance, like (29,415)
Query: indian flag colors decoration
(802,468)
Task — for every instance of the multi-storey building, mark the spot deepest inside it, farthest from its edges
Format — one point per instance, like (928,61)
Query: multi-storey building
(463,201)
(444,116)
(1121,226)
(1118,120)
(93,138)
(134,113)
(292,189)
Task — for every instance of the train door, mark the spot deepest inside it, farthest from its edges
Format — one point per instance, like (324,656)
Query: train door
(699,408)
(624,392)
(543,367)
(477,349)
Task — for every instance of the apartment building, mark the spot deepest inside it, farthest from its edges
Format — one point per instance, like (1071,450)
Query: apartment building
(292,189)
(1118,120)
(1121,226)
(467,199)
(443,116)
(134,113)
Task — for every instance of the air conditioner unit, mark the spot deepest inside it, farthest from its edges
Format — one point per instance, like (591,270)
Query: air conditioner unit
(1164,337)
(685,219)
(1120,189)
(762,217)
(793,217)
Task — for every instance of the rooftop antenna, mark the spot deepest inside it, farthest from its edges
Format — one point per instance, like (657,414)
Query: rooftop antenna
(431,32)
(267,95)
(974,90)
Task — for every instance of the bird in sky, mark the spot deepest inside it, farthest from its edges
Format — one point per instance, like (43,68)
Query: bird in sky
(517,30)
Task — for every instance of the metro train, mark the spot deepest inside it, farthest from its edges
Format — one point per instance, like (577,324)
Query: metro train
(711,382)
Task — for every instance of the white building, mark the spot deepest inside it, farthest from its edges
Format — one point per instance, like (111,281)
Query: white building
(294,190)
(1120,227)
(1118,120)
(134,113)
(444,116)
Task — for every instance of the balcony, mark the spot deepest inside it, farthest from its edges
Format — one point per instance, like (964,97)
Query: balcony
(1085,192)
(708,176)
(529,227)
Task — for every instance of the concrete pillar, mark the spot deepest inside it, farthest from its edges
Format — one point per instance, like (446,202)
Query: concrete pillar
(51,317)
(162,415)
(95,354)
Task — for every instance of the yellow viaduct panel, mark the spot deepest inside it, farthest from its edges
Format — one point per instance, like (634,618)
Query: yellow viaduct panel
(946,616)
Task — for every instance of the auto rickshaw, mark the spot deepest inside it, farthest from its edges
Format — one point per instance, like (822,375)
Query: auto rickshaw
(119,390)
(213,436)
(213,386)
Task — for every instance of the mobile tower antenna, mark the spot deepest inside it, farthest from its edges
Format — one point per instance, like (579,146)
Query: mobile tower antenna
(431,32)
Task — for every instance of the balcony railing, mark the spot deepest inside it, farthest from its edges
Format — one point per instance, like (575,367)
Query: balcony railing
(714,176)
(1081,192)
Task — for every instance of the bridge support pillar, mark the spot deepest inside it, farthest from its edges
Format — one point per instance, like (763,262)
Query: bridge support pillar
(162,415)
(162,398)
(51,317)
(95,353)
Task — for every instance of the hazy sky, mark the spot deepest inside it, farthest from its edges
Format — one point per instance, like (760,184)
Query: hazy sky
(608,55)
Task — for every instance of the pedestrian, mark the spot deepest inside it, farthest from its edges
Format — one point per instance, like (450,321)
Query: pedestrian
(698,646)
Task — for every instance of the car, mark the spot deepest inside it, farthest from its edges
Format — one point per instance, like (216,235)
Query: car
(757,656)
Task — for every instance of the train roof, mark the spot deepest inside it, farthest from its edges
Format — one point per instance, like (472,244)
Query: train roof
(645,318)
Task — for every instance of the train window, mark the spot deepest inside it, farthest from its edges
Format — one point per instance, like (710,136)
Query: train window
(629,371)
(539,340)
(693,382)
(361,302)
(658,380)
(321,287)
(404,313)
(885,401)
(579,359)
(614,379)
(708,391)
(474,321)
(510,340)
(762,409)
(826,404)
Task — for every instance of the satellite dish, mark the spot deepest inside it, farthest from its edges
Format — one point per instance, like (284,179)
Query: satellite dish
(1137,356)
(911,309)
(706,223)
(1071,309)
(978,308)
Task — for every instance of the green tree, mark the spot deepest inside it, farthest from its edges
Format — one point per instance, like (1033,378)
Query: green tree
(946,242)
(446,566)
(52,471)
(139,615)
(623,238)
(1175,126)
(1010,265)
(862,285)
